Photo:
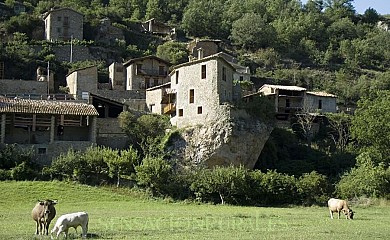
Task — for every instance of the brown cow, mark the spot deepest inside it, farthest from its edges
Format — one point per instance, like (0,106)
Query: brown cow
(43,213)
(337,205)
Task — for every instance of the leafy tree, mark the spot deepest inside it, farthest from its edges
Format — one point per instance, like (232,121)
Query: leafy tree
(203,18)
(173,52)
(259,35)
(153,10)
(366,179)
(154,174)
(121,163)
(371,16)
(146,131)
(371,125)
(339,129)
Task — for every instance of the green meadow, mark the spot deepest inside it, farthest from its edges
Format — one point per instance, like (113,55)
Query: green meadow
(126,214)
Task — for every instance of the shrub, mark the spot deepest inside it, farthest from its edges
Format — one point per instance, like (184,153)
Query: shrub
(366,179)
(222,184)
(276,188)
(5,175)
(155,173)
(312,188)
(23,172)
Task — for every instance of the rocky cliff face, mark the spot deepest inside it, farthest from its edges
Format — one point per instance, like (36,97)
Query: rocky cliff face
(232,137)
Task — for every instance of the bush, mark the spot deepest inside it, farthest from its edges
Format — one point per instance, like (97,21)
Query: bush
(5,175)
(23,172)
(155,173)
(313,188)
(274,188)
(366,179)
(222,184)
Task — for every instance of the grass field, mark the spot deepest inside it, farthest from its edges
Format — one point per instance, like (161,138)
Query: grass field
(122,214)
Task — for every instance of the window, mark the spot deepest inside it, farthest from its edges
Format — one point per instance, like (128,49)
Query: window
(320,104)
(180,112)
(147,83)
(119,68)
(203,71)
(272,90)
(241,78)
(155,81)
(192,93)
(58,30)
(139,68)
(199,110)
(41,151)
(161,70)
(287,103)
(224,74)
(177,77)
(59,18)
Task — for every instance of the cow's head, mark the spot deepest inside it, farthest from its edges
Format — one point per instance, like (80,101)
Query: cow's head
(48,207)
(349,213)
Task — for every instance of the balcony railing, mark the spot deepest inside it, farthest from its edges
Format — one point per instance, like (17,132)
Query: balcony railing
(151,72)
(170,108)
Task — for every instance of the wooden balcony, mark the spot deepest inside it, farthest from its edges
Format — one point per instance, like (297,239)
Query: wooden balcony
(169,108)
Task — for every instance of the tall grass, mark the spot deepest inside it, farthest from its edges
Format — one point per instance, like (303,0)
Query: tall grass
(125,214)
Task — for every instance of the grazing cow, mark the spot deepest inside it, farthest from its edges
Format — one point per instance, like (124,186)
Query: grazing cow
(337,205)
(71,220)
(43,213)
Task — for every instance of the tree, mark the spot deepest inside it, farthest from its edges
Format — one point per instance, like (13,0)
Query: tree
(203,18)
(119,163)
(173,52)
(145,131)
(259,35)
(371,125)
(153,10)
(339,129)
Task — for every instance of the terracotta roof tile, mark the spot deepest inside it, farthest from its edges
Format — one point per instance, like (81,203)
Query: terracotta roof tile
(9,105)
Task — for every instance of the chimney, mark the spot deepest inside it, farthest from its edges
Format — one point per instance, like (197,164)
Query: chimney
(200,53)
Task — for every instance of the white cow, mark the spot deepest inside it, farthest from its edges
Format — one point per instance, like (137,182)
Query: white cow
(71,220)
(338,205)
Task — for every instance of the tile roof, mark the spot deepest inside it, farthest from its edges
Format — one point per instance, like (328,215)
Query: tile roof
(322,94)
(9,105)
(284,87)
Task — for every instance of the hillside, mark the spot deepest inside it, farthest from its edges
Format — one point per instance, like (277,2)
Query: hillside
(316,45)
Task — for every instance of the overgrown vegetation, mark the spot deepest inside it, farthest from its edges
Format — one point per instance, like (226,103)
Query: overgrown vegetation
(321,45)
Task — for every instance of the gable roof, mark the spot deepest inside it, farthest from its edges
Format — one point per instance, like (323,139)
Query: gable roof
(322,94)
(283,87)
(9,105)
(46,14)
(205,59)
(145,58)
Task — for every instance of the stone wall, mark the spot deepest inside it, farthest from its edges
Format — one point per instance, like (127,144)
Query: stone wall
(13,86)
(110,134)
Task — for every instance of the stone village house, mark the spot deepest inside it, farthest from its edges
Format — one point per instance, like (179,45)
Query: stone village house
(196,91)
(49,127)
(63,24)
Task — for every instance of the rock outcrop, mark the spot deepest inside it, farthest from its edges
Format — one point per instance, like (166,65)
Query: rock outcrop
(233,137)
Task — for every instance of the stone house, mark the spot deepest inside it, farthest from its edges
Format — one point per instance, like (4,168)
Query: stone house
(63,24)
(145,72)
(196,92)
(108,34)
(82,80)
(321,102)
(200,48)
(48,127)
(156,27)
(161,99)
(289,100)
